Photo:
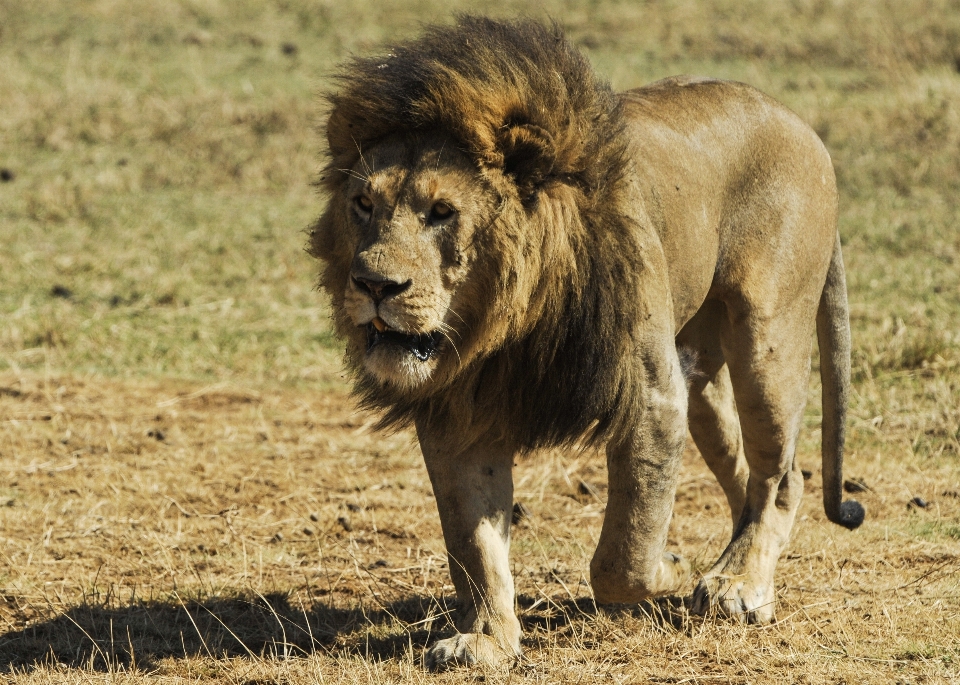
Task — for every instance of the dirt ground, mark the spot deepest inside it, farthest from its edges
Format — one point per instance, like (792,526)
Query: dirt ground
(173,531)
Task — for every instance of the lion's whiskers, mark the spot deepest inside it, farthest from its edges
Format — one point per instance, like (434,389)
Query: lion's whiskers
(366,167)
(453,311)
(453,345)
(445,329)
(354,174)
(439,156)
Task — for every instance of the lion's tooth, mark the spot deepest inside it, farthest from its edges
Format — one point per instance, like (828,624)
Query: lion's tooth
(379,324)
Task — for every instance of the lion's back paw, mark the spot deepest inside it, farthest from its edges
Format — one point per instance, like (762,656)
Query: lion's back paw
(734,597)
(613,584)
(467,649)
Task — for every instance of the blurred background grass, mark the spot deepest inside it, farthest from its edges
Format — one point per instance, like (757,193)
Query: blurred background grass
(158,158)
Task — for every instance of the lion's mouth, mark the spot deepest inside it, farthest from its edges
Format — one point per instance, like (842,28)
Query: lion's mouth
(420,345)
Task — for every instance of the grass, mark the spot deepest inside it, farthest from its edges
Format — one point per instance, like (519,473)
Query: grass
(187,492)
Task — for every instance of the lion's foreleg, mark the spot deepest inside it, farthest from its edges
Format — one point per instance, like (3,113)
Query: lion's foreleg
(630,563)
(474,492)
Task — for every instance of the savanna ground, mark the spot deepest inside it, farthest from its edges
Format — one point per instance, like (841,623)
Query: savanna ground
(187,491)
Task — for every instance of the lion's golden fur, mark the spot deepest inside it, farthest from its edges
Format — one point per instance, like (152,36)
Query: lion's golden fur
(543,341)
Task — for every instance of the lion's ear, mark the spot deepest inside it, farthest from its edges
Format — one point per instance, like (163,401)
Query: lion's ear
(528,156)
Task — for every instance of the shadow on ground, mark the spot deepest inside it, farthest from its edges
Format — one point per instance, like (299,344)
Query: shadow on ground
(104,637)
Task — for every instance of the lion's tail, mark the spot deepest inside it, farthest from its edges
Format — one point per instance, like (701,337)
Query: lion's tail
(833,337)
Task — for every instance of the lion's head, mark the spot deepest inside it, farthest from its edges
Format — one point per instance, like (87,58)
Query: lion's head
(474,221)
(407,217)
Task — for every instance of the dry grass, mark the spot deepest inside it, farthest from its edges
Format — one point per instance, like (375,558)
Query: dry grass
(163,530)
(189,495)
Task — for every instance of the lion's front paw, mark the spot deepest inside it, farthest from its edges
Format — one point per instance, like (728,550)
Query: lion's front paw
(468,649)
(736,596)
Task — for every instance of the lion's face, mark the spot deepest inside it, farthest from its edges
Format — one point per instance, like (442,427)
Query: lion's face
(409,212)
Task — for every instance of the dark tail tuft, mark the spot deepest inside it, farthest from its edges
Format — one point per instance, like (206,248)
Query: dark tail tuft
(851,515)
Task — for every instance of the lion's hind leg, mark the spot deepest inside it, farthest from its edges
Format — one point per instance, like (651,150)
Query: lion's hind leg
(769,361)
(714,423)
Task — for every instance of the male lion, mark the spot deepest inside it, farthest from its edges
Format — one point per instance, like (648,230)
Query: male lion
(515,253)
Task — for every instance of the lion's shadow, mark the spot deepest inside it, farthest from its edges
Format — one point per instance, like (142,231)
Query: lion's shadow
(104,637)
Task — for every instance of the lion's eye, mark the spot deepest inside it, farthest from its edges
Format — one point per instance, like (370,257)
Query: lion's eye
(364,204)
(441,211)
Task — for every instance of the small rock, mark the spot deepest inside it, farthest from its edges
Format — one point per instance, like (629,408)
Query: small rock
(345,523)
(807,475)
(61,291)
(587,490)
(520,513)
(308,531)
(855,485)
(314,517)
(918,503)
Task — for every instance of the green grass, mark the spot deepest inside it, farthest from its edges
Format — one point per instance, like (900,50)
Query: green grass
(933,530)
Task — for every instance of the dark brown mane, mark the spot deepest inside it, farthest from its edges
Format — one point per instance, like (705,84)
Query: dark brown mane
(515,95)
(526,106)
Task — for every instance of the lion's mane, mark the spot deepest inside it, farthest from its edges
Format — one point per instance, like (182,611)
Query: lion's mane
(552,318)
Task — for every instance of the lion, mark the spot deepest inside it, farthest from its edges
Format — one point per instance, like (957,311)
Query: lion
(518,257)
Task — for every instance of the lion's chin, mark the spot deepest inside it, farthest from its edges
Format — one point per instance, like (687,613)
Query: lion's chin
(402,359)
(394,365)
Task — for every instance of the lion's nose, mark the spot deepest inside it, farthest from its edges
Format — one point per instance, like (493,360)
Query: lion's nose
(380,289)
